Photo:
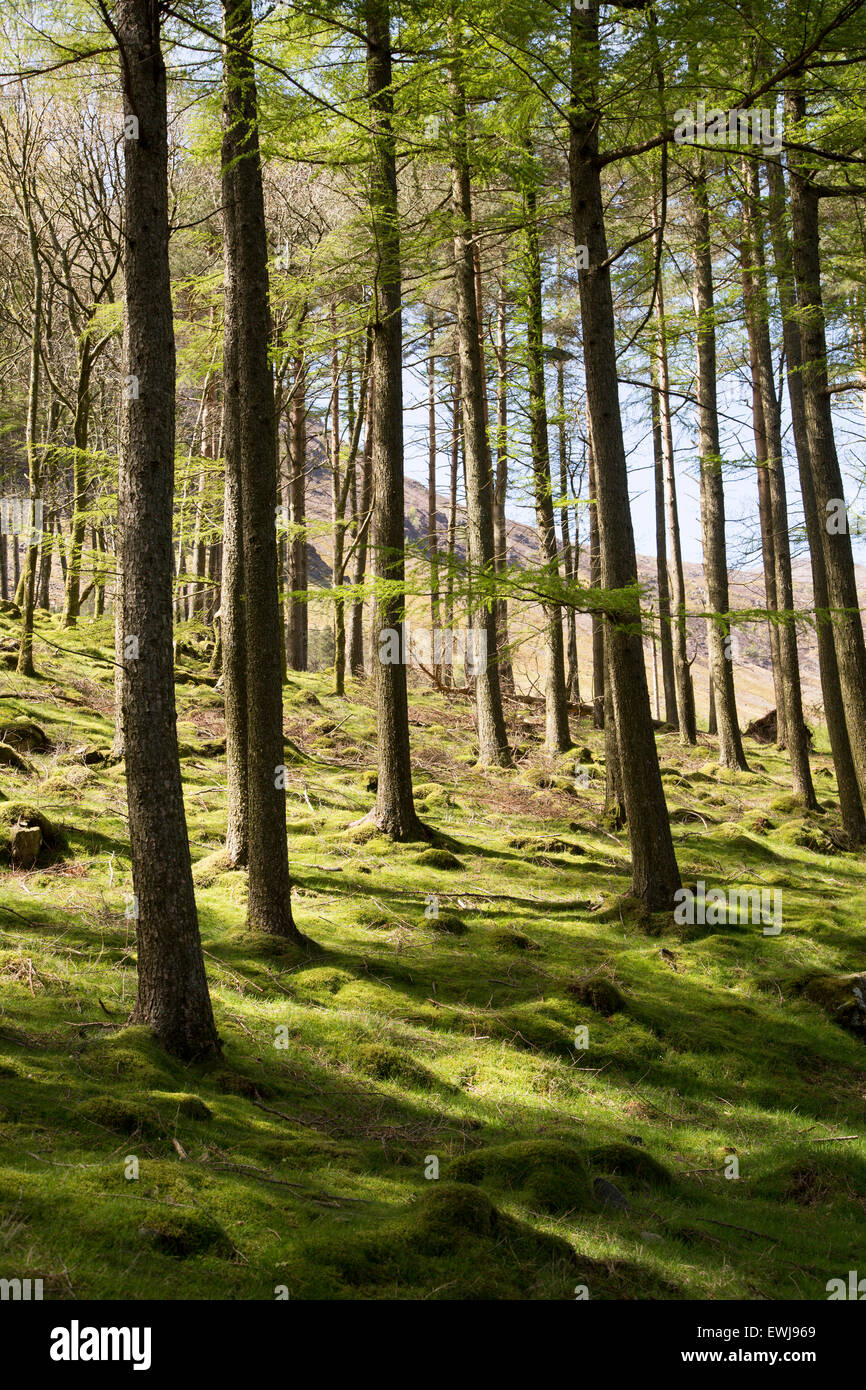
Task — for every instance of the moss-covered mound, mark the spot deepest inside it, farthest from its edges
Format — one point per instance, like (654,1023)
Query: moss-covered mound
(843,998)
(453,1244)
(547,1174)
(54,840)
(450,923)
(600,993)
(387,1063)
(24,734)
(121,1117)
(438,859)
(629,1161)
(184,1234)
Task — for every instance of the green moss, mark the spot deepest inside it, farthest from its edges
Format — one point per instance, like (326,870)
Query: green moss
(387,1063)
(24,734)
(182,1103)
(54,839)
(119,1116)
(629,1161)
(449,923)
(206,871)
(185,1234)
(843,997)
(451,1243)
(375,920)
(804,835)
(540,778)
(10,757)
(129,1057)
(548,1174)
(361,834)
(449,1213)
(549,845)
(600,993)
(509,940)
(321,979)
(304,699)
(535,1024)
(820,1180)
(314,1165)
(438,859)
(757,823)
(433,794)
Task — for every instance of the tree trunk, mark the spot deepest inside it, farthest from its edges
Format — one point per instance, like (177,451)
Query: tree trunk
(340,489)
(297,639)
(557,734)
(614,800)
(46,555)
(665,633)
(173,998)
(682,666)
(765,506)
(826,474)
(506,672)
(337,514)
(655,876)
(850,800)
(599,680)
(492,737)
(451,540)
(712,493)
(250,449)
(360,542)
(432,509)
(27,580)
(569,555)
(117,744)
(79,484)
(796,737)
(394,812)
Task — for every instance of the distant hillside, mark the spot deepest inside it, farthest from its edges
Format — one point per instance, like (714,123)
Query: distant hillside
(753,673)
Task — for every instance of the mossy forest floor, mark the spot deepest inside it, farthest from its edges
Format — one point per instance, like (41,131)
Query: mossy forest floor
(299,1165)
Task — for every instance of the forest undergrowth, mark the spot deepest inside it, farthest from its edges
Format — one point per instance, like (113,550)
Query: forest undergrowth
(488,1005)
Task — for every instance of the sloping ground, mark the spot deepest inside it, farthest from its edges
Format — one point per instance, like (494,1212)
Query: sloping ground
(303,1165)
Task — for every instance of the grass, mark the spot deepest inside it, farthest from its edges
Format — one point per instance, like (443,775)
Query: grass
(416,1043)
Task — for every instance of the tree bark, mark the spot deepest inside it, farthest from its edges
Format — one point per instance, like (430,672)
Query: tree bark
(850,800)
(298,628)
(682,665)
(795,735)
(394,812)
(655,876)
(506,672)
(250,447)
(569,553)
(844,603)
(432,509)
(79,484)
(492,737)
(173,998)
(360,541)
(712,492)
(557,733)
(662,583)
(598,665)
(451,538)
(27,580)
